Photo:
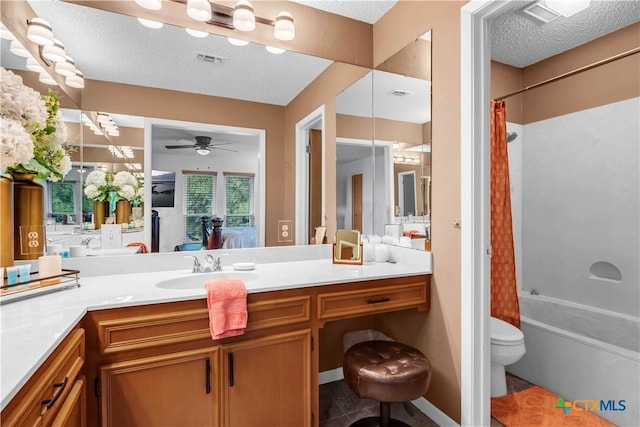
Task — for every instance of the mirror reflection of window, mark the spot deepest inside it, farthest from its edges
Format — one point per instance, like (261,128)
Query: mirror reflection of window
(199,199)
(240,196)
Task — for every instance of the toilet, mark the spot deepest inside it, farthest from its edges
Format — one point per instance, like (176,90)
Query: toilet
(507,347)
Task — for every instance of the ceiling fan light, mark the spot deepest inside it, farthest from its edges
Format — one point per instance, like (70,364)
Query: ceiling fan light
(150,4)
(33,65)
(200,10)
(18,48)
(196,33)
(237,42)
(203,151)
(284,28)
(244,18)
(154,25)
(66,68)
(47,79)
(39,31)
(55,52)
(77,80)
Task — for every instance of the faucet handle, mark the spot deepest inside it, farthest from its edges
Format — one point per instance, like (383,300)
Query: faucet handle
(197,267)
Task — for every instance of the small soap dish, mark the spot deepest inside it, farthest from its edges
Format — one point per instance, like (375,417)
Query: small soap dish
(244,266)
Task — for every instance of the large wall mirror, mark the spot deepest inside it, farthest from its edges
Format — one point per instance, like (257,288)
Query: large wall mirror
(383,159)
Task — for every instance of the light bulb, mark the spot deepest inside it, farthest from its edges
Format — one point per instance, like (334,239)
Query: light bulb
(196,33)
(47,79)
(66,68)
(150,4)
(77,80)
(237,42)
(155,25)
(6,34)
(200,10)
(284,28)
(33,65)
(39,31)
(243,17)
(55,52)
(18,48)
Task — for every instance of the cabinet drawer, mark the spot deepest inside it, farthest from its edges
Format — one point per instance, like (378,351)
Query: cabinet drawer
(371,300)
(160,327)
(49,389)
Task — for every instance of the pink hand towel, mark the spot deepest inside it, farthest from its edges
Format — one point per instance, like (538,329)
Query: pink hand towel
(227,302)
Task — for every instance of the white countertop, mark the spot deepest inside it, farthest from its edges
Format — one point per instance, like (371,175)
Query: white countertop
(31,329)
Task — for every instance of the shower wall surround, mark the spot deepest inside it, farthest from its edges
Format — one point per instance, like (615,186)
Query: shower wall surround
(580,205)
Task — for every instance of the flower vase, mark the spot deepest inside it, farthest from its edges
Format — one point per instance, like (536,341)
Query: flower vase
(99,213)
(6,222)
(123,211)
(28,217)
(136,213)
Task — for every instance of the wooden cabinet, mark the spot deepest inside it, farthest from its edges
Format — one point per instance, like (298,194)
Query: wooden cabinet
(178,389)
(73,412)
(53,390)
(266,381)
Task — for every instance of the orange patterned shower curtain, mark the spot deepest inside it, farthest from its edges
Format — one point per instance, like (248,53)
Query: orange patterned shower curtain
(504,290)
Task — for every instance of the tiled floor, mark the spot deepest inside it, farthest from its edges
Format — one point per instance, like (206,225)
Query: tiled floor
(339,407)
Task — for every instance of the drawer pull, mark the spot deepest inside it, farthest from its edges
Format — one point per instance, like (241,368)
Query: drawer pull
(231,379)
(207,367)
(60,386)
(378,300)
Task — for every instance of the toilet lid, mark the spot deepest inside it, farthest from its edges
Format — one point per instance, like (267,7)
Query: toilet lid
(504,333)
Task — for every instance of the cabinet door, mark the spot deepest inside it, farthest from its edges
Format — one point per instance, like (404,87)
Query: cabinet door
(73,412)
(172,390)
(267,381)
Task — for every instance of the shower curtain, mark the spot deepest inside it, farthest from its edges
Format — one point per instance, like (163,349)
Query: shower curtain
(504,290)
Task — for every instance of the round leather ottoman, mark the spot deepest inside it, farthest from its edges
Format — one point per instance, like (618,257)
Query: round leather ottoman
(386,371)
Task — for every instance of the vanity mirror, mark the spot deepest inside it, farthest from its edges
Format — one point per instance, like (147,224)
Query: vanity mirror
(347,248)
(384,144)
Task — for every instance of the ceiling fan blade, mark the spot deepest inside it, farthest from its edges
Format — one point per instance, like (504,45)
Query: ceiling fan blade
(223,149)
(219,143)
(172,147)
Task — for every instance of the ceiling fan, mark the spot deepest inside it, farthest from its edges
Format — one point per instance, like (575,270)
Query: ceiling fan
(203,145)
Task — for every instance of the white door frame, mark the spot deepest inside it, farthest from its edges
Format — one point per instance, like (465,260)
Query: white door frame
(401,192)
(302,174)
(475,266)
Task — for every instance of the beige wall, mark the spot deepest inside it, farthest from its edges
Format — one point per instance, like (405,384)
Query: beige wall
(609,83)
(437,332)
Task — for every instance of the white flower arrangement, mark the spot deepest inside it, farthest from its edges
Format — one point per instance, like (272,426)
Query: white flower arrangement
(44,132)
(125,178)
(92,192)
(97,178)
(127,192)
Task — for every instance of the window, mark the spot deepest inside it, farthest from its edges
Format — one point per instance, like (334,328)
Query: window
(239,200)
(62,200)
(199,199)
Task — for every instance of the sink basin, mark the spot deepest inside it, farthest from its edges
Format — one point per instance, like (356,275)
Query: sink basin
(197,280)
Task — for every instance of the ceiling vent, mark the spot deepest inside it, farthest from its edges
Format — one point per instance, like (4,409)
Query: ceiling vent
(540,12)
(400,92)
(212,59)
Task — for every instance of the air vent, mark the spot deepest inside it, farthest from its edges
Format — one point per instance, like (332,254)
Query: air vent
(400,92)
(212,59)
(540,13)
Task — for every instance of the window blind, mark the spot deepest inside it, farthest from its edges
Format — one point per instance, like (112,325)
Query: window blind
(198,199)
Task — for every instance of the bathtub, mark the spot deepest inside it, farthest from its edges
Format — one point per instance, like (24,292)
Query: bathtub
(581,352)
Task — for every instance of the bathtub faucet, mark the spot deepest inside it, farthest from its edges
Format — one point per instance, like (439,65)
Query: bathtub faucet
(534,292)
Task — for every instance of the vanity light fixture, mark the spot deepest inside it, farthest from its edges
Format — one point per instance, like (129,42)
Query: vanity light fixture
(244,18)
(200,10)
(66,68)
(150,4)
(40,32)
(5,33)
(18,48)
(47,79)
(275,50)
(54,52)
(237,42)
(155,25)
(77,80)
(196,33)
(33,65)
(284,28)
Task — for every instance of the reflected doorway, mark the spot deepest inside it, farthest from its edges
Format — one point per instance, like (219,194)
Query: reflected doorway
(407,193)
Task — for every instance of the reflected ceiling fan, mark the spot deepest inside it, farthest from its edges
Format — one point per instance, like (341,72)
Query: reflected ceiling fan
(203,145)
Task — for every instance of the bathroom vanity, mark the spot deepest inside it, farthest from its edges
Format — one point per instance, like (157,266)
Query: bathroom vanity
(143,355)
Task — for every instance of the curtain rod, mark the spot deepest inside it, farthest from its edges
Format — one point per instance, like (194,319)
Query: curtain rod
(571,73)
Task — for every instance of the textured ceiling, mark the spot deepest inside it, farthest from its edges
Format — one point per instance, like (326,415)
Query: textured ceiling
(519,40)
(367,11)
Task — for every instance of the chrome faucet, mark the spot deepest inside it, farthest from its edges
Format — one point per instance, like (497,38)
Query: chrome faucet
(212,263)
(197,267)
(85,241)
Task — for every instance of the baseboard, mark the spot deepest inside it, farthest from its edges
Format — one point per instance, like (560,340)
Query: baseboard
(330,376)
(433,412)
(421,403)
